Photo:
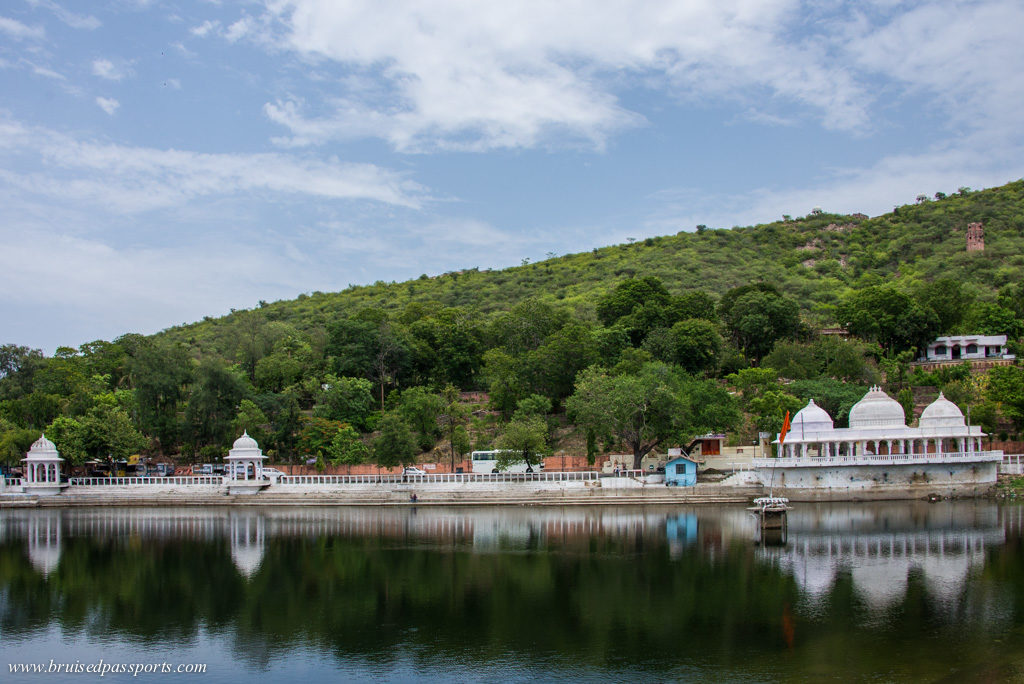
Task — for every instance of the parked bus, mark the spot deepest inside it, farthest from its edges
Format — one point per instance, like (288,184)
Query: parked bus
(487,462)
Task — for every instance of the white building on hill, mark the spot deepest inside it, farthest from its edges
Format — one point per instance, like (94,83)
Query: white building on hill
(957,347)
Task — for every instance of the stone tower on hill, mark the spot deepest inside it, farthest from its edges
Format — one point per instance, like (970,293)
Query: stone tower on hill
(975,237)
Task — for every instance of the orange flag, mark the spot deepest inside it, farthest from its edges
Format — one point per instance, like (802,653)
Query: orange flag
(785,429)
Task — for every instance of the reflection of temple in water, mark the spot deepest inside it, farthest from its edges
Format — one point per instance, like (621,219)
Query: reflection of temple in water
(43,537)
(248,545)
(880,546)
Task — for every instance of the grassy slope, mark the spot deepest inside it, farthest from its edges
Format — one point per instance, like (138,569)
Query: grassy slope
(803,256)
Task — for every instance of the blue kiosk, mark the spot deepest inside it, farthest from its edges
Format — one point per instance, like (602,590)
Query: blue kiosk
(681,472)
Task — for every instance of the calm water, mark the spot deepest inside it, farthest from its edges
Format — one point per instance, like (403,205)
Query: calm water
(868,592)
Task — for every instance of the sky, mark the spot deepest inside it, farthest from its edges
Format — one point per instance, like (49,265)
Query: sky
(165,161)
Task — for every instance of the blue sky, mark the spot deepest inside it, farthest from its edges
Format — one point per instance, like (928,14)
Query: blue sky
(162,161)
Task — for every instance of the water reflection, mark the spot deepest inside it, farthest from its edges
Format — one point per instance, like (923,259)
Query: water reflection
(585,591)
(881,546)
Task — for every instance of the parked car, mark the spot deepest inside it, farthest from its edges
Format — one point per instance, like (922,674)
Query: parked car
(411,470)
(273,473)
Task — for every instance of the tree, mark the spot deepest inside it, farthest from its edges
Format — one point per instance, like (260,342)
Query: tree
(526,326)
(694,304)
(948,299)
(524,439)
(1006,386)
(108,432)
(505,380)
(897,369)
(648,408)
(452,421)
(349,400)
(67,435)
(888,316)
(213,405)
(421,409)
(551,369)
(758,315)
(346,447)
(15,442)
(370,345)
(17,368)
(395,444)
(692,344)
(315,435)
(993,319)
(250,418)
(447,348)
(158,372)
(628,295)
(284,366)
(828,356)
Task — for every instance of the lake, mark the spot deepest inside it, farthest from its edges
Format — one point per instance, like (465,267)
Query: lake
(906,591)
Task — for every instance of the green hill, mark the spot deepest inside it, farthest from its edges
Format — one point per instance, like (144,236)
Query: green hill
(814,259)
(381,372)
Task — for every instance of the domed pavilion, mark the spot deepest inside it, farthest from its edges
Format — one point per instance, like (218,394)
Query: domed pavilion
(879,454)
(245,466)
(42,469)
(878,428)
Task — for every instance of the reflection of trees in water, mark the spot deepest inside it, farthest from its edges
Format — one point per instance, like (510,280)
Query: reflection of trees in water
(598,586)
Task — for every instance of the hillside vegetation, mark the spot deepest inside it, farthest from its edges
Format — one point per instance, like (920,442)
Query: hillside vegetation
(636,346)
(813,259)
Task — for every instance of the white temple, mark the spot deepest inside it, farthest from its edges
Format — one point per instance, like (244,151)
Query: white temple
(878,428)
(879,451)
(42,469)
(245,467)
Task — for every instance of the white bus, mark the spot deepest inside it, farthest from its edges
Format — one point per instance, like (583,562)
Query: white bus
(487,462)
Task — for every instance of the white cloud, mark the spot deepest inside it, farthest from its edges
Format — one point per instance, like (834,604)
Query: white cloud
(47,72)
(76,21)
(180,47)
(967,56)
(240,29)
(108,104)
(19,31)
(202,30)
(104,68)
(450,74)
(132,179)
(527,73)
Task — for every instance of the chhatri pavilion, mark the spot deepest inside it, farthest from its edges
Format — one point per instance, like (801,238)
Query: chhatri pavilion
(878,427)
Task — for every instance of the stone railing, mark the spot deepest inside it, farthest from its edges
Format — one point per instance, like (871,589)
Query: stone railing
(1012,464)
(287,480)
(881,459)
(178,480)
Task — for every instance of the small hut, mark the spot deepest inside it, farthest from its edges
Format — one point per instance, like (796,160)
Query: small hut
(681,472)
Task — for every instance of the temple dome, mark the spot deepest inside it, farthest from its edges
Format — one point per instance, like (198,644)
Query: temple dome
(811,418)
(877,409)
(941,413)
(245,442)
(43,448)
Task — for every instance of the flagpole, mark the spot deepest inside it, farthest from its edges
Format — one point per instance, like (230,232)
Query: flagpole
(782,443)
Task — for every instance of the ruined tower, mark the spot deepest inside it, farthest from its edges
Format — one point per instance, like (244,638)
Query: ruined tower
(975,237)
